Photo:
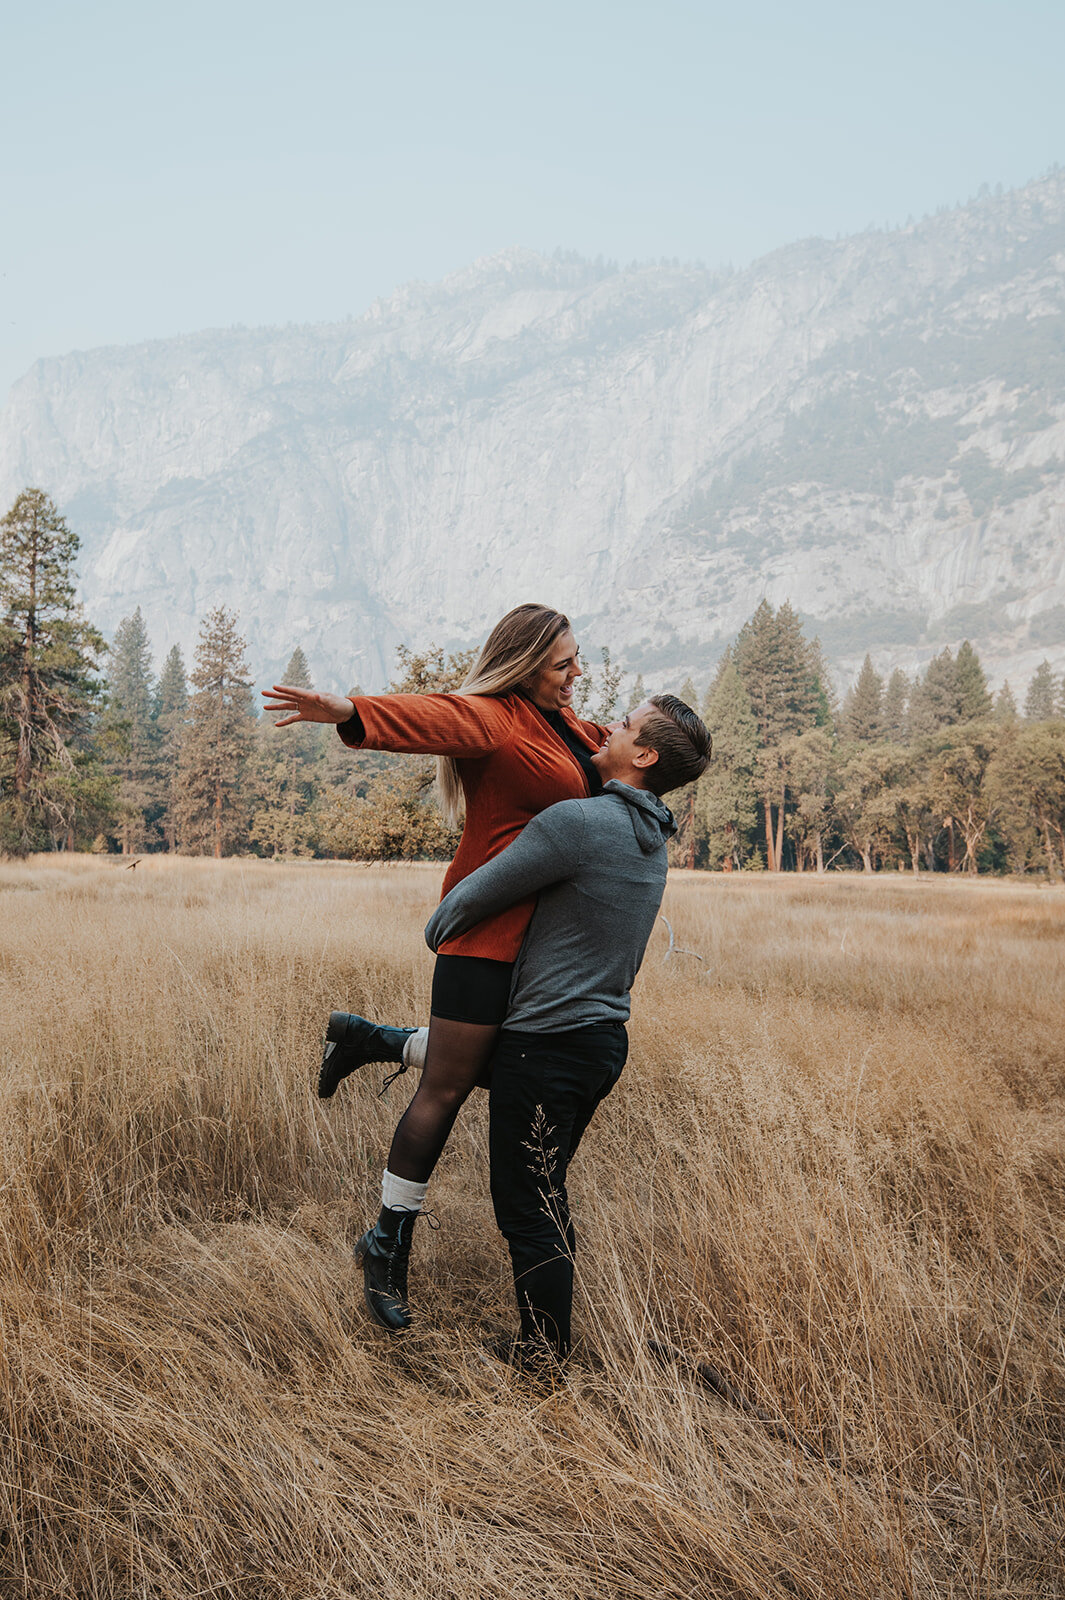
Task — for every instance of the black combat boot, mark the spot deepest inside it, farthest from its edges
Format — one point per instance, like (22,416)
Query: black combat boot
(384,1252)
(350,1042)
(535,1360)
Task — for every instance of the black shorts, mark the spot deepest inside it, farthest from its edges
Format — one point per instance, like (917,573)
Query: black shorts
(471,989)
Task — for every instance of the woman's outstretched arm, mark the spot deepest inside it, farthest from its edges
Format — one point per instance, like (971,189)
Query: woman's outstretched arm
(408,724)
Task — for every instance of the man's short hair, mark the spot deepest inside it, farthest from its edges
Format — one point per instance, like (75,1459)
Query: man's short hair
(681,739)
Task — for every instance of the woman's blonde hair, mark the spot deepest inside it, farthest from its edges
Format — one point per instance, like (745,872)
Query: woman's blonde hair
(515,650)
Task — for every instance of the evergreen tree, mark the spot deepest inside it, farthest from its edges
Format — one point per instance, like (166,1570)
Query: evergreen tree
(430,672)
(1005,705)
(970,685)
(826,710)
(1040,701)
(637,694)
(297,674)
(49,658)
(685,846)
(171,713)
(726,810)
(893,709)
(284,776)
(211,815)
(934,702)
(863,708)
(1028,785)
(779,670)
(132,734)
(595,697)
(172,690)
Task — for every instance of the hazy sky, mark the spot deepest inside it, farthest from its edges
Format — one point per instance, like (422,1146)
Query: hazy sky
(164,169)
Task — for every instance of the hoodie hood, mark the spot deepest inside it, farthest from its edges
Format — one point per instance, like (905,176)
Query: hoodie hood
(652,820)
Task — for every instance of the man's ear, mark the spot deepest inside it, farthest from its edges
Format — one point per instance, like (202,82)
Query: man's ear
(645,756)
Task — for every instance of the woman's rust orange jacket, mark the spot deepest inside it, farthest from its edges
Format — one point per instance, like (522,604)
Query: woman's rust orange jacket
(512,764)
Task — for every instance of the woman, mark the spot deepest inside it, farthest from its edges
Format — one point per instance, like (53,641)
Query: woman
(508,745)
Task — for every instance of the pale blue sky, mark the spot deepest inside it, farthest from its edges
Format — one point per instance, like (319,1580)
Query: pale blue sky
(168,169)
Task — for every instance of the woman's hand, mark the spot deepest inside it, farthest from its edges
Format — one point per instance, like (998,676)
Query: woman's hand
(306,705)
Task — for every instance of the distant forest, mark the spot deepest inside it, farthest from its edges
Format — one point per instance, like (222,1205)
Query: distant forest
(99,752)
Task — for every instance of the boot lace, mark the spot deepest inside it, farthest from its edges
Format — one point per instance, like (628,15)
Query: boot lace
(391,1078)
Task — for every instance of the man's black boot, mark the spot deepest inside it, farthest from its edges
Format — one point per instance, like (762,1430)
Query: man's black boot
(385,1251)
(350,1042)
(537,1361)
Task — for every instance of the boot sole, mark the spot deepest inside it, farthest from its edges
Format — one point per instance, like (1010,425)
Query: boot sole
(329,1080)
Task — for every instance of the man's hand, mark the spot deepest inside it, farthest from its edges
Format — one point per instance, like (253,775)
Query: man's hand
(306,705)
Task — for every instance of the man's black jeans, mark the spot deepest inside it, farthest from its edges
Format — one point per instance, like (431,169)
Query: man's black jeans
(545,1089)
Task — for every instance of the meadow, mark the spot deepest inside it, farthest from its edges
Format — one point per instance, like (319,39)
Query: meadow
(833,1171)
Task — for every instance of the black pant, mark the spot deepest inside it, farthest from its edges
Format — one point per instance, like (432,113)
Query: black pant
(545,1089)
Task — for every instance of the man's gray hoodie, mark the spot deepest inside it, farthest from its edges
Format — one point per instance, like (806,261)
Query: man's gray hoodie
(599,869)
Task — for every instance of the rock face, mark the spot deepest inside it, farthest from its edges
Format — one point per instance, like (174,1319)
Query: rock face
(874,429)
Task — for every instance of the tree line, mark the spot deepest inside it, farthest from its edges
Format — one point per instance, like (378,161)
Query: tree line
(98,752)
(928,773)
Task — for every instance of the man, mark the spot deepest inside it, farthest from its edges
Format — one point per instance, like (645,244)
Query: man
(599,869)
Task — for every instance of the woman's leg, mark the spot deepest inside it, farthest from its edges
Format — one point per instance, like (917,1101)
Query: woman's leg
(456,1058)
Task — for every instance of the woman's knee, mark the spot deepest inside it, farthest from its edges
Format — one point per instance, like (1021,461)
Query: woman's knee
(441,1099)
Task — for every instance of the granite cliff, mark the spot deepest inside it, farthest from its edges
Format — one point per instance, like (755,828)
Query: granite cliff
(873,428)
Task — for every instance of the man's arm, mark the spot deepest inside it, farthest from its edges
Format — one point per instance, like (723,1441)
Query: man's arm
(547,850)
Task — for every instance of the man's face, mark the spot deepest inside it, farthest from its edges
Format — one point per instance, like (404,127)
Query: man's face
(619,756)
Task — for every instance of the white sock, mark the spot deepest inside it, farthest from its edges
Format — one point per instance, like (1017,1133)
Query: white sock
(401,1194)
(414,1049)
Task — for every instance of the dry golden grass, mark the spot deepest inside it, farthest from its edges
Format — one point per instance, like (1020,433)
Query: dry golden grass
(833,1169)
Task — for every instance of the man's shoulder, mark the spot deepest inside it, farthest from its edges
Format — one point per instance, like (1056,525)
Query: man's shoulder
(565,813)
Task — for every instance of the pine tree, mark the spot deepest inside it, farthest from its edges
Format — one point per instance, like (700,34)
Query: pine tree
(297,674)
(893,710)
(131,734)
(430,671)
(780,671)
(211,814)
(970,685)
(637,694)
(726,809)
(863,708)
(1028,784)
(595,697)
(49,658)
(171,714)
(826,710)
(934,703)
(686,845)
(283,777)
(1039,702)
(1005,705)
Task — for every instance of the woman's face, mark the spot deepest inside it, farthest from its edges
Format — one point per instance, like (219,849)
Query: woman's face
(552,687)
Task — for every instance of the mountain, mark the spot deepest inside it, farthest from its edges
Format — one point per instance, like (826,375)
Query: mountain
(873,428)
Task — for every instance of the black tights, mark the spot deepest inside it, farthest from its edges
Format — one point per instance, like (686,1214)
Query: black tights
(456,1061)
